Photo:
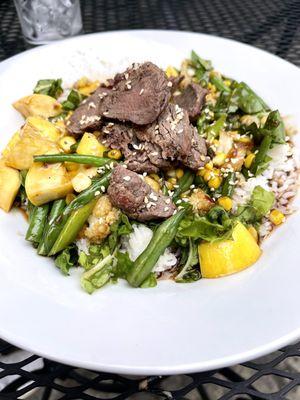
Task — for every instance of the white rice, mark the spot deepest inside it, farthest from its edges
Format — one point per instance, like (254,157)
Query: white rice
(281,177)
(137,241)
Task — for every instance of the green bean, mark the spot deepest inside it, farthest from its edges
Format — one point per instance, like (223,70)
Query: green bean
(96,188)
(184,184)
(161,239)
(47,241)
(75,158)
(38,219)
(72,227)
(227,189)
(261,154)
(219,84)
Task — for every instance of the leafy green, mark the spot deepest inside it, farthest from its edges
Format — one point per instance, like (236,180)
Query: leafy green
(99,275)
(124,265)
(150,281)
(213,130)
(73,100)
(67,259)
(215,226)
(260,204)
(219,84)
(50,87)
(244,98)
(274,127)
(202,67)
(95,254)
(119,228)
(188,272)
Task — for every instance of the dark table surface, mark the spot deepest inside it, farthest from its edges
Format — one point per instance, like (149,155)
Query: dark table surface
(271,25)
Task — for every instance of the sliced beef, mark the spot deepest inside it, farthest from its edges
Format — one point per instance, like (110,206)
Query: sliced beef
(192,99)
(138,95)
(167,141)
(131,194)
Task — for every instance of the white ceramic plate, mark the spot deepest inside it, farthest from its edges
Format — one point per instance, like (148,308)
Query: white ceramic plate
(173,328)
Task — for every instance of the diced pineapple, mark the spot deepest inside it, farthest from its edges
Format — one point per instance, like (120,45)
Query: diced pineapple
(39,105)
(85,86)
(89,145)
(47,182)
(10,183)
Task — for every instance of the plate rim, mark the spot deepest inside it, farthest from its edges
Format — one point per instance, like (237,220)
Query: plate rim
(184,368)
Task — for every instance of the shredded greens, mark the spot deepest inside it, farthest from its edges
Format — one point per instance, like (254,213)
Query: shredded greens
(50,87)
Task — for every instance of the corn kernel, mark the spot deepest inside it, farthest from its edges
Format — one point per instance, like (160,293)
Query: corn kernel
(169,185)
(227,82)
(225,202)
(253,232)
(179,173)
(201,172)
(114,154)
(277,217)
(248,160)
(207,175)
(215,182)
(171,173)
(81,182)
(66,142)
(70,197)
(171,72)
(245,139)
(219,159)
(209,165)
(152,183)
(155,177)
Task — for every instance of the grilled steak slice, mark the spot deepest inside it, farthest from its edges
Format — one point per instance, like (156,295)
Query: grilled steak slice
(167,141)
(131,194)
(192,99)
(138,95)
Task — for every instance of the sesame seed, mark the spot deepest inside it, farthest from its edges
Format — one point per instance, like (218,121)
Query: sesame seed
(202,158)
(169,84)
(105,113)
(141,91)
(153,197)
(168,201)
(192,186)
(144,173)
(166,209)
(97,193)
(102,189)
(146,200)
(92,105)
(127,178)
(126,75)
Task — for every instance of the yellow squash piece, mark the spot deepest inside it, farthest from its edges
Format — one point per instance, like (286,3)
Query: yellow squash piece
(47,182)
(10,183)
(43,127)
(11,144)
(39,105)
(89,145)
(30,143)
(229,256)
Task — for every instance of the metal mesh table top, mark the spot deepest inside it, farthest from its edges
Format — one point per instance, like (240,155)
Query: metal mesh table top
(273,25)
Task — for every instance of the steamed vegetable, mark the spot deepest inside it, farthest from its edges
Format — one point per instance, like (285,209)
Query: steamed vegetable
(50,87)
(38,105)
(47,182)
(89,145)
(27,143)
(38,218)
(74,158)
(47,241)
(229,256)
(72,227)
(161,239)
(10,182)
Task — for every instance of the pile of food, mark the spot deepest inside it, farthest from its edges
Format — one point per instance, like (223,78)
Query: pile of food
(150,175)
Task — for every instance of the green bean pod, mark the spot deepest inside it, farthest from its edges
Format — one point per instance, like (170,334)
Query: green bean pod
(38,218)
(95,190)
(72,227)
(56,210)
(261,154)
(75,158)
(227,189)
(219,84)
(184,184)
(161,239)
